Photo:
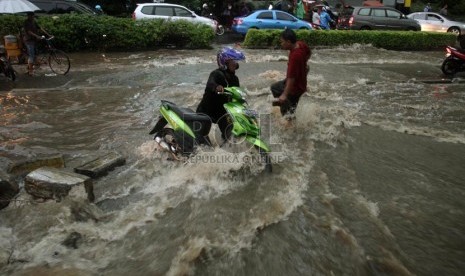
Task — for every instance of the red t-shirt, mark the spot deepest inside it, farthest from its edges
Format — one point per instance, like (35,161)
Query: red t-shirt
(297,68)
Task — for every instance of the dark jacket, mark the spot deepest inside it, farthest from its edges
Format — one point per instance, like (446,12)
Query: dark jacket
(212,102)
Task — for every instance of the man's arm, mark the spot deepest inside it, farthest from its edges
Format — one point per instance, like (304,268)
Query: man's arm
(213,83)
(287,90)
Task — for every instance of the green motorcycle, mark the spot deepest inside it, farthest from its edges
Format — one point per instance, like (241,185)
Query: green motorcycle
(180,130)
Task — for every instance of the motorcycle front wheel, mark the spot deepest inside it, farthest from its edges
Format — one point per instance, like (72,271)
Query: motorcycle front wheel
(220,30)
(450,66)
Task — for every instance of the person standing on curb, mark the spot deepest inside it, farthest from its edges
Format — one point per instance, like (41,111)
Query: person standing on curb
(427,8)
(325,19)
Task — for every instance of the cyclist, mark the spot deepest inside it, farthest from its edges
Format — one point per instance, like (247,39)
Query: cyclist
(31,35)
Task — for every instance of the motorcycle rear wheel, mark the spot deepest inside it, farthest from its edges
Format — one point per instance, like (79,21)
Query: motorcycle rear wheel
(450,67)
(167,135)
(220,30)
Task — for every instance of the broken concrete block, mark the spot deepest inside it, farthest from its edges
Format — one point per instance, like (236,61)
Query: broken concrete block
(53,183)
(101,165)
(26,166)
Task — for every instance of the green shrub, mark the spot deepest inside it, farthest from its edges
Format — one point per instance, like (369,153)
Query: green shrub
(84,32)
(391,40)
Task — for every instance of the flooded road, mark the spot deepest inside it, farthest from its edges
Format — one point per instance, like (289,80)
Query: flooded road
(369,180)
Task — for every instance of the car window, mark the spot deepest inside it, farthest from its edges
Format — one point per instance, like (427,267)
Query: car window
(347,11)
(432,17)
(393,14)
(45,6)
(65,8)
(419,16)
(148,10)
(284,16)
(364,12)
(165,11)
(182,12)
(84,7)
(265,15)
(379,13)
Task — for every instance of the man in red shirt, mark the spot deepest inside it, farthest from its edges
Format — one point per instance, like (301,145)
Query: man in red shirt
(289,90)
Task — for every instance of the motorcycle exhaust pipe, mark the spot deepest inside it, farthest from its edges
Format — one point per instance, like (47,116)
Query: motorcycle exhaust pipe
(162,143)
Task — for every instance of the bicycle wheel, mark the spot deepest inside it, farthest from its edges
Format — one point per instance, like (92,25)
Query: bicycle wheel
(59,62)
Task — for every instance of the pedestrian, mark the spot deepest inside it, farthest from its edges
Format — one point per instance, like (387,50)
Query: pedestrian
(32,34)
(325,19)
(213,97)
(205,10)
(316,17)
(99,10)
(443,11)
(227,16)
(289,90)
(427,8)
(299,10)
(244,10)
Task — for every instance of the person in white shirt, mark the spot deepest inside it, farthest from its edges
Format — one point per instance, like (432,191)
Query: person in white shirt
(315,17)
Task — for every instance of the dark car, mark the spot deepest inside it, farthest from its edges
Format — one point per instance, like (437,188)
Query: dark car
(51,7)
(375,18)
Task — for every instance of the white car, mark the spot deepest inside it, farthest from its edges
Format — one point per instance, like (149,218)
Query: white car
(170,12)
(434,22)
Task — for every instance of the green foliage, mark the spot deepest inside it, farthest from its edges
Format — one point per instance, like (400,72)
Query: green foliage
(262,38)
(392,40)
(82,32)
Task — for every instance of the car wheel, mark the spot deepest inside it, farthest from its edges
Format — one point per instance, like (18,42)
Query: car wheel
(454,30)
(365,28)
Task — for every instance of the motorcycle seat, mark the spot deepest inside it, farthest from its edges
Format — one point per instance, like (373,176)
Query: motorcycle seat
(187,114)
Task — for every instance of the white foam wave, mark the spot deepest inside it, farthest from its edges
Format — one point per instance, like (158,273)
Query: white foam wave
(404,127)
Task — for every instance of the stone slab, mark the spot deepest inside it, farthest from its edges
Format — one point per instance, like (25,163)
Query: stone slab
(28,165)
(53,183)
(101,165)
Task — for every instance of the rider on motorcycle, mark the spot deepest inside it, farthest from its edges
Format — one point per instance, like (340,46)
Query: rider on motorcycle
(225,76)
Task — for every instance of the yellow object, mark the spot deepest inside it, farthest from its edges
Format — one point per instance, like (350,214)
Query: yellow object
(11,42)
(13,52)
(408,3)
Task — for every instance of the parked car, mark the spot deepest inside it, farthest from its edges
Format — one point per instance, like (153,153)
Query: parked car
(170,12)
(268,19)
(61,7)
(375,18)
(434,22)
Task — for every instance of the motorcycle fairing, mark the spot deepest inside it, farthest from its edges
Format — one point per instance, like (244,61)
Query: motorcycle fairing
(175,121)
(257,142)
(242,124)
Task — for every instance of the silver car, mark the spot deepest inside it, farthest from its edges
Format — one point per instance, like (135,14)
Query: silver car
(170,12)
(434,22)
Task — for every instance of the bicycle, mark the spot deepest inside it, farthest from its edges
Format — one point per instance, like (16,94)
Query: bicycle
(57,60)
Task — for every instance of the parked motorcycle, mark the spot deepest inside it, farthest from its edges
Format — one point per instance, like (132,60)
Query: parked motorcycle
(219,27)
(180,130)
(5,66)
(454,62)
